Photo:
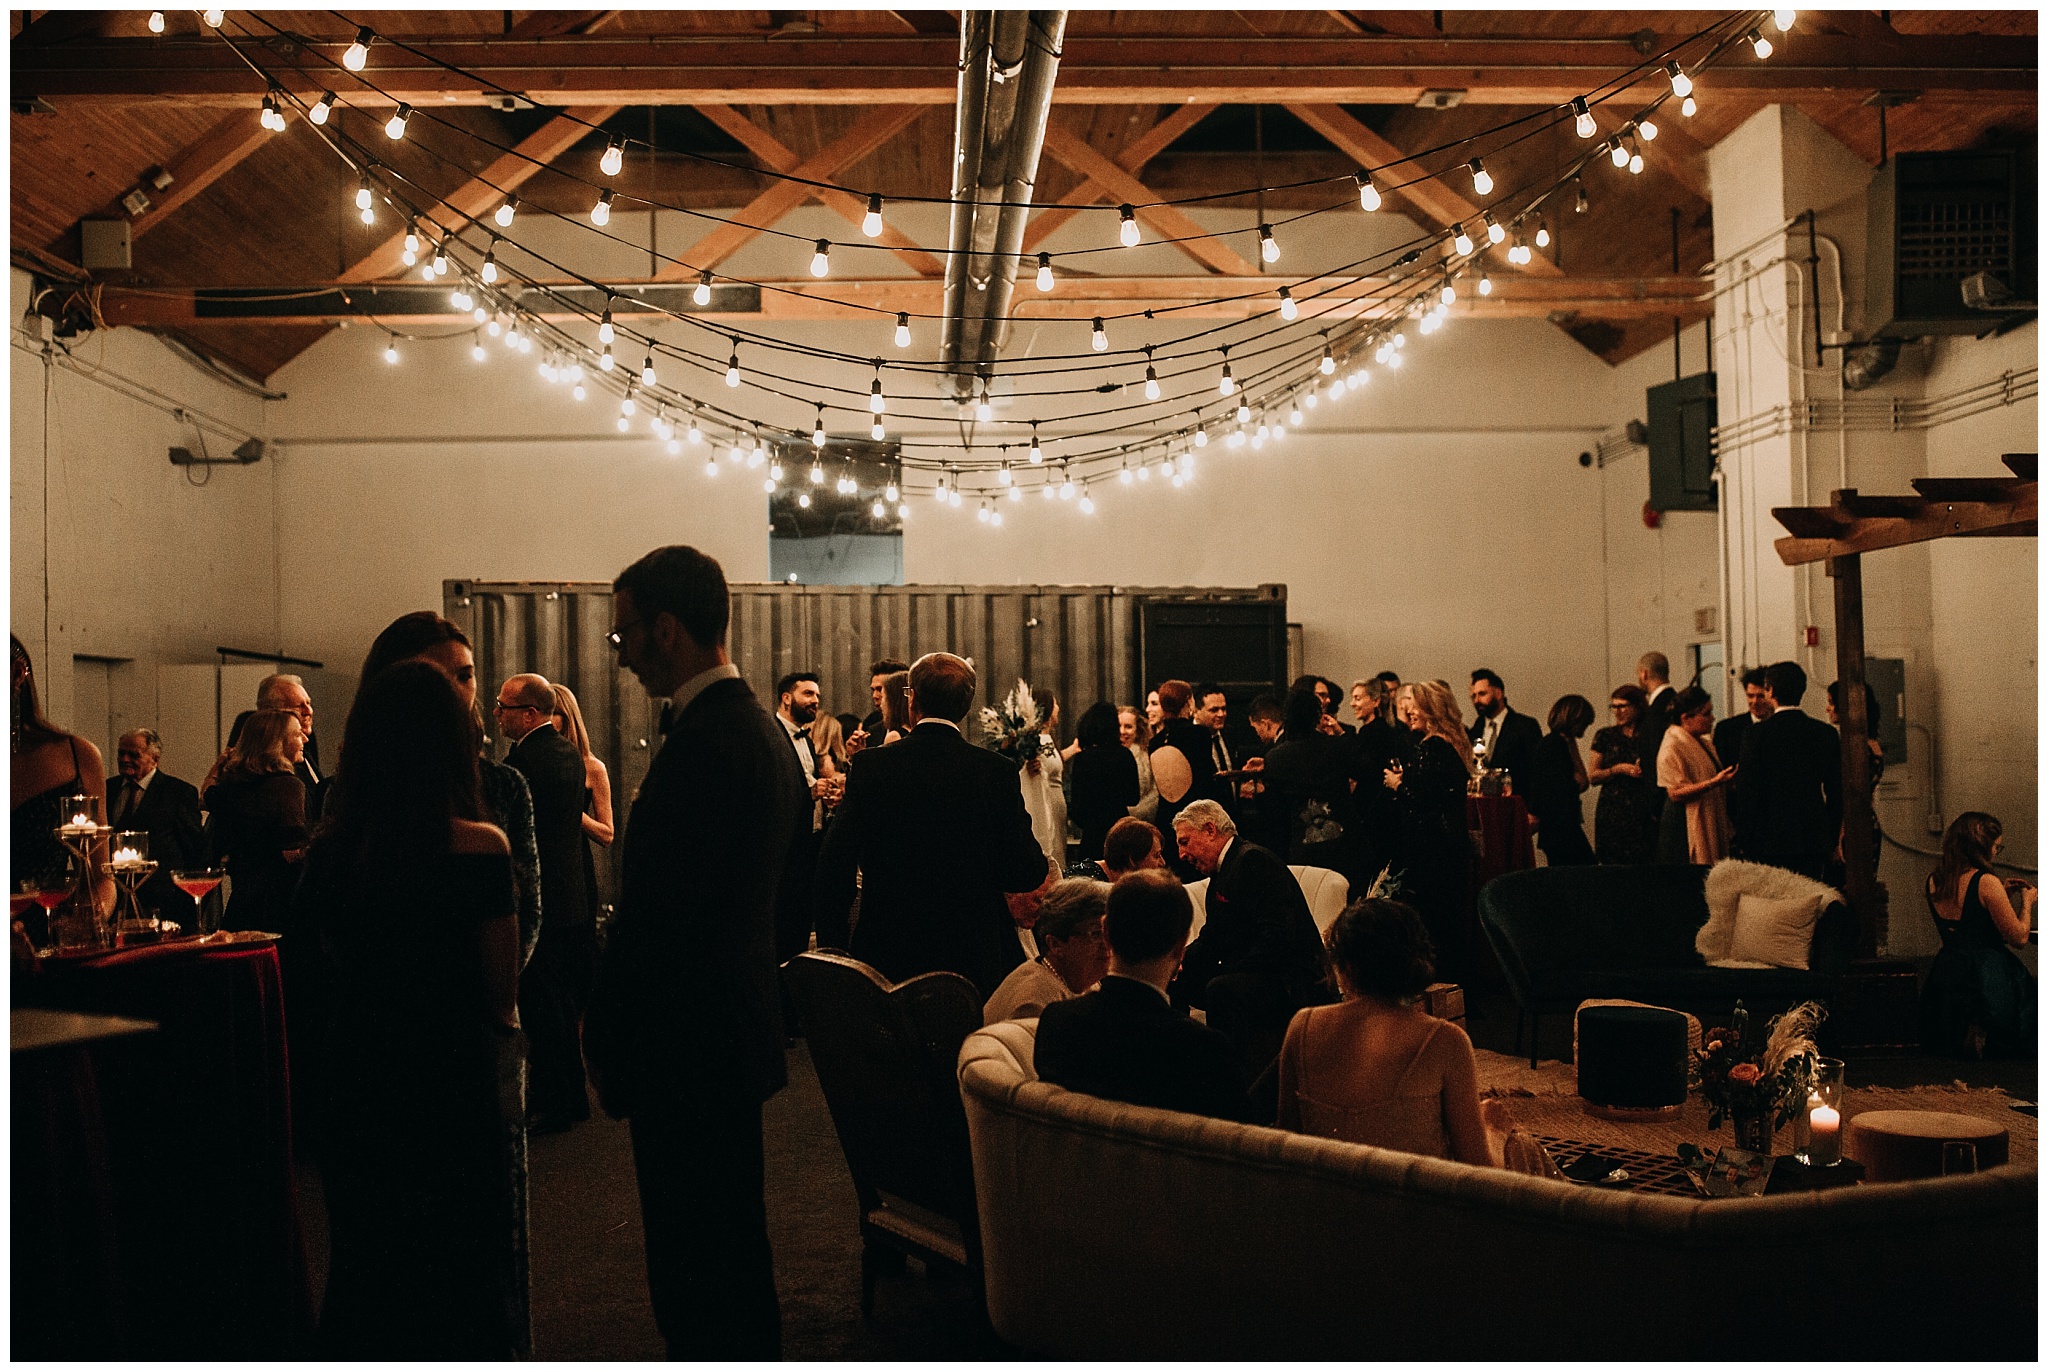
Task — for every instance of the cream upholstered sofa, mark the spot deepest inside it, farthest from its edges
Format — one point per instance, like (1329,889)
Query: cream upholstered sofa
(1114,1231)
(1327,892)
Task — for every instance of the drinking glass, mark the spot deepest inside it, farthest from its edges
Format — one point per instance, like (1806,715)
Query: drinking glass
(1958,1156)
(199,883)
(1824,1113)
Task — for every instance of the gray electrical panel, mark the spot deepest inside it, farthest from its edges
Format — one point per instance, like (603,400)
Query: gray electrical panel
(1886,676)
(1682,418)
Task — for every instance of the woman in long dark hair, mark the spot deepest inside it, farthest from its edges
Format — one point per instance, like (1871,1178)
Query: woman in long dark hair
(411,897)
(1624,768)
(1557,778)
(50,764)
(1979,999)
(1103,777)
(256,820)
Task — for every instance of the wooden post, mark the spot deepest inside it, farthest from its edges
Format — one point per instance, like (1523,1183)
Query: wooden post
(1858,853)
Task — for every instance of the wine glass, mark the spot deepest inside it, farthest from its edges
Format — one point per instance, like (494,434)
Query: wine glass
(199,883)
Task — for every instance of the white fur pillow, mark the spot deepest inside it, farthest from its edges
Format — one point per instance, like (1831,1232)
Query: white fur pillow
(1773,933)
(1731,879)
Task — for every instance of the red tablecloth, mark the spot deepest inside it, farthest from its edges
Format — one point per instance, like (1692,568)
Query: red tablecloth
(1507,843)
(198,1129)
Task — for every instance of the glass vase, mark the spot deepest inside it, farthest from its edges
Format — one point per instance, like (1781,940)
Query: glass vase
(1754,1130)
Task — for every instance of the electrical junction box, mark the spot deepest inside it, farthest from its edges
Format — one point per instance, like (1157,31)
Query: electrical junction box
(104,244)
(1683,414)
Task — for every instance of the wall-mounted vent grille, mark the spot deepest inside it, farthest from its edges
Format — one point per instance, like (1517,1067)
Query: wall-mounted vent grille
(1937,218)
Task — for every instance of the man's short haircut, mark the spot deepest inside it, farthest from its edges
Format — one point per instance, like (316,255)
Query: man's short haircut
(533,689)
(1205,814)
(1265,705)
(1787,681)
(790,680)
(1757,676)
(266,689)
(1097,727)
(1071,903)
(1204,690)
(1490,677)
(150,740)
(1148,916)
(1388,680)
(1174,695)
(882,666)
(1656,664)
(684,583)
(942,686)
(1129,842)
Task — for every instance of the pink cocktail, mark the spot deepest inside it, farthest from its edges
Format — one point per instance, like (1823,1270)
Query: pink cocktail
(199,884)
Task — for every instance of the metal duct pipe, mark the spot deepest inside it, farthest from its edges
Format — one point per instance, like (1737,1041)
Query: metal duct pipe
(1009,60)
(1870,364)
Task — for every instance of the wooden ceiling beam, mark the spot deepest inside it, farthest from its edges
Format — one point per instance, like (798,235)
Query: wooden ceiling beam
(1132,159)
(868,134)
(1674,150)
(1968,507)
(1077,154)
(482,192)
(921,69)
(1441,205)
(218,151)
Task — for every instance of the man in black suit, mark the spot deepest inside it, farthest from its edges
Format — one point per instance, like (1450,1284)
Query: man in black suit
(937,829)
(1788,793)
(555,986)
(1226,754)
(1730,732)
(871,730)
(685,1032)
(796,706)
(141,797)
(282,691)
(1126,1041)
(1501,734)
(1259,957)
(1653,674)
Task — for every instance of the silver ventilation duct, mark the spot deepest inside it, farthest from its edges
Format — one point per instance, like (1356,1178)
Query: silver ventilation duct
(1008,61)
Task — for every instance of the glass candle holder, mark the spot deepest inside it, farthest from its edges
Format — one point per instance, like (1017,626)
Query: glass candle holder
(80,815)
(130,850)
(1824,1113)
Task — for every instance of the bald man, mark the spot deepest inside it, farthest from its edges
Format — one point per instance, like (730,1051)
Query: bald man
(556,984)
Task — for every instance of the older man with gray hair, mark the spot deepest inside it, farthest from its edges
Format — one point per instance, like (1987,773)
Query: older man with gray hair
(283,691)
(1259,957)
(141,797)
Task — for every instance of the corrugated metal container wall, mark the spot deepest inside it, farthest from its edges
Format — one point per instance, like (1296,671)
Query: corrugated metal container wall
(1082,641)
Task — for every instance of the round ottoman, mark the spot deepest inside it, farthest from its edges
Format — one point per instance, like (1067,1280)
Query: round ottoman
(1899,1145)
(1632,1061)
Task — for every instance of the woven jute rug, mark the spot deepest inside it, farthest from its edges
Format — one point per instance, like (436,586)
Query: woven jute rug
(1545,1100)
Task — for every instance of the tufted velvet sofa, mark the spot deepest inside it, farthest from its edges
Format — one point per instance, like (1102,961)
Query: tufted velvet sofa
(1114,1231)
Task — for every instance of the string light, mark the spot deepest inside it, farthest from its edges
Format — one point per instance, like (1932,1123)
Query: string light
(391,352)
(732,365)
(364,197)
(476,351)
(1681,84)
(1329,362)
(983,410)
(1582,204)
(1690,107)
(871,222)
(605,332)
(1461,241)
(506,211)
(322,108)
(696,431)
(1761,44)
(460,299)
(601,212)
(1542,232)
(394,128)
(875,511)
(1635,158)
(270,118)
(1151,383)
(803,501)
(1036,453)
(1482,180)
(1226,384)
(983,513)
(605,360)
(489,270)
(1519,254)
(358,52)
(1087,502)
(1127,231)
(1784,19)
(614,157)
(1045,271)
(1368,194)
(821,262)
(439,266)
(1097,339)
(903,330)
(701,296)
(1582,117)
(1617,152)
(626,405)
(817,474)
(1647,129)
(647,377)
(1003,476)
(214,18)
(578,393)
(876,404)
(1447,294)
(876,431)
(891,493)
(1244,412)
(1269,250)
(1201,438)
(1494,232)
(156,21)
(1289,311)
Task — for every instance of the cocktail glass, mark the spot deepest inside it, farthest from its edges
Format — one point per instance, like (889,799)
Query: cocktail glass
(199,883)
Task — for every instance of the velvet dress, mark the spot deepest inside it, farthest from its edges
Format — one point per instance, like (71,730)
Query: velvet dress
(1976,984)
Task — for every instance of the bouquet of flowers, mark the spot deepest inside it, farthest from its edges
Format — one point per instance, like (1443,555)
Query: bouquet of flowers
(1015,729)
(1740,1073)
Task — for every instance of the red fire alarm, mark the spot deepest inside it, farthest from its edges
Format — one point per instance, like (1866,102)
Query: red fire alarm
(1651,517)
(1813,635)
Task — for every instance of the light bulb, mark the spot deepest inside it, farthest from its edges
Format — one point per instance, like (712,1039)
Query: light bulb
(1045,271)
(575,371)
(363,196)
(1244,413)
(1482,179)
(876,404)
(871,222)
(1542,233)
(1582,117)
(1329,362)
(1394,360)
(647,377)
(1201,437)
(605,361)
(269,113)
(614,157)
(1681,84)
(1268,249)
(1127,231)
(506,211)
(1647,130)
(358,52)
(1125,476)
(1151,383)
(605,332)
(1003,477)
(626,405)
(1784,19)
(1087,502)
(768,484)
(1289,311)
(701,295)
(711,467)
(1368,194)
(821,262)
(818,429)
(1582,204)
(368,216)
(1448,293)
(892,493)
(601,212)
(1617,153)
(1066,487)
(318,114)
(215,18)
(1036,453)
(1635,163)
(983,411)
(477,353)
(156,21)
(732,370)
(391,352)
(1760,43)
(817,475)
(1690,107)
(1460,240)
(903,330)
(439,266)
(1294,416)
(983,512)
(1494,232)
(1226,383)
(696,431)
(875,511)
(394,128)
(460,299)
(489,270)
(876,431)
(953,497)
(1097,339)
(525,343)
(1310,399)
(803,501)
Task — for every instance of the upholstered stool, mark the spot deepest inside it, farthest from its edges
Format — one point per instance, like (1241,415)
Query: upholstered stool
(1632,1061)
(1899,1145)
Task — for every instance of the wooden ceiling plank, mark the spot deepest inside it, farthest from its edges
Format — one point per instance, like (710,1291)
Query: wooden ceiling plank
(482,192)
(218,151)
(1078,155)
(868,133)
(1132,159)
(1673,150)
(1437,201)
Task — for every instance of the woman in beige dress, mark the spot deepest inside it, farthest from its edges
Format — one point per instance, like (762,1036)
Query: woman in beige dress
(1692,775)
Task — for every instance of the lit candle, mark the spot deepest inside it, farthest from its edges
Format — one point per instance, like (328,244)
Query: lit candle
(127,857)
(1825,1122)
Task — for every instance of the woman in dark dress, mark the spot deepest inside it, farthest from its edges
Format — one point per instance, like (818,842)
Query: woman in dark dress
(1102,778)
(1625,769)
(411,896)
(50,765)
(1435,842)
(1979,999)
(256,822)
(1557,778)
(1308,788)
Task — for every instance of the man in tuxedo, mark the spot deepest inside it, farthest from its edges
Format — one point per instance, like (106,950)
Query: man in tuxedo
(282,691)
(796,706)
(1125,1040)
(1259,957)
(871,729)
(555,986)
(1653,674)
(937,830)
(141,797)
(1730,732)
(685,1032)
(1788,792)
(1504,736)
(1212,713)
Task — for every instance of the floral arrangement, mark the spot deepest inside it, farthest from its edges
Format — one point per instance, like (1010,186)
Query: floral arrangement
(1014,729)
(1739,1073)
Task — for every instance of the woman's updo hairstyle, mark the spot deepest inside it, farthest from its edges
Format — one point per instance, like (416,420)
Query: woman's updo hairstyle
(1383,949)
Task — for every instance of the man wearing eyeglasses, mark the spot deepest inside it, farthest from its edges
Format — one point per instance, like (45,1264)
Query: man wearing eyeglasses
(557,981)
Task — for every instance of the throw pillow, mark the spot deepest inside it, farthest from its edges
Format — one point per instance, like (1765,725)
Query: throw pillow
(1776,933)
(1729,880)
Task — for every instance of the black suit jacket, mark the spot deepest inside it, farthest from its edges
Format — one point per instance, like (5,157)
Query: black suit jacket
(1259,922)
(1728,736)
(1788,795)
(1662,714)
(169,813)
(937,829)
(686,1005)
(553,768)
(1515,746)
(1124,1042)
